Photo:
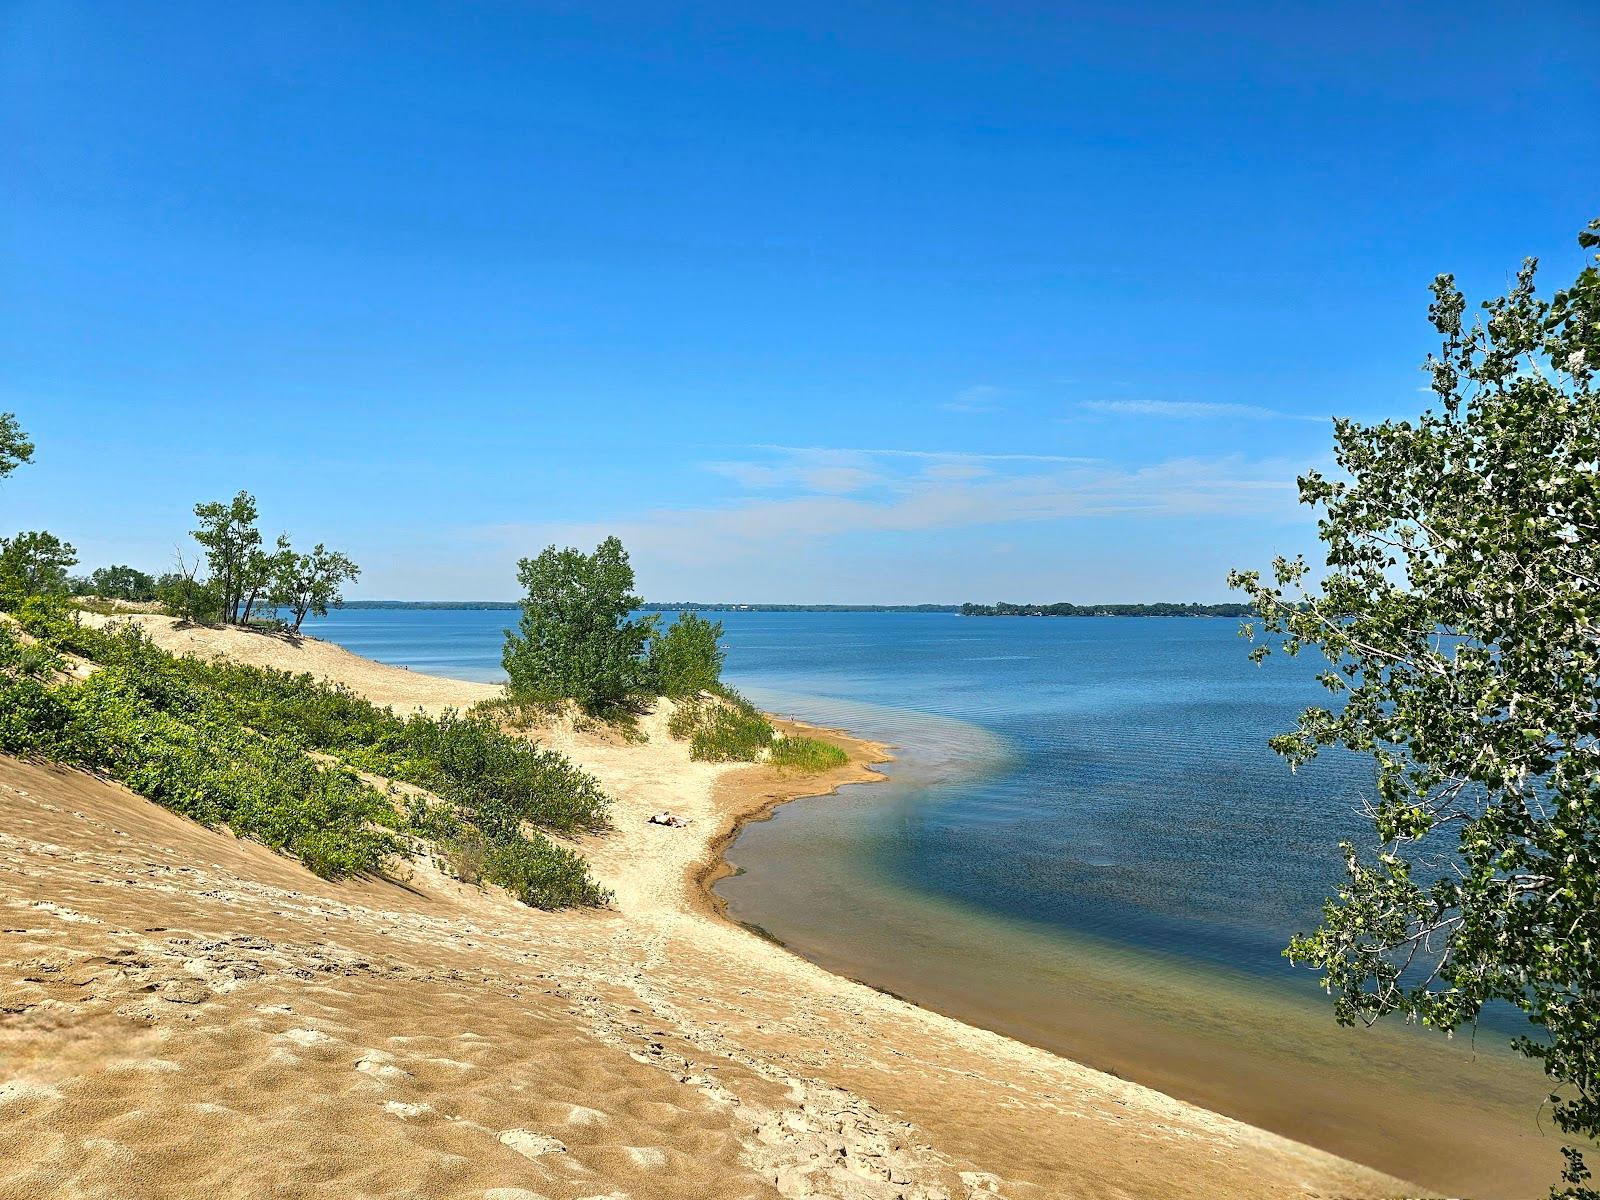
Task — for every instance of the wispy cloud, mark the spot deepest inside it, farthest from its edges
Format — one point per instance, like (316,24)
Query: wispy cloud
(911,491)
(816,476)
(938,455)
(1195,410)
(979,398)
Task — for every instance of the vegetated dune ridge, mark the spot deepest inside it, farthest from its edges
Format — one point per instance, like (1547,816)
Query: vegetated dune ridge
(183,1014)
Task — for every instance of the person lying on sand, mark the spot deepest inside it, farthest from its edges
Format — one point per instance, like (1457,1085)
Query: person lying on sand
(666,818)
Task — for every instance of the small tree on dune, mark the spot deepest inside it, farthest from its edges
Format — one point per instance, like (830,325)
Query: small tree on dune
(309,584)
(1460,618)
(577,639)
(233,551)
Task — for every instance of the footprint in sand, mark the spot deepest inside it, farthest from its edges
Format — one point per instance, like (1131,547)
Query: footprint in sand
(381,1065)
(305,1037)
(531,1145)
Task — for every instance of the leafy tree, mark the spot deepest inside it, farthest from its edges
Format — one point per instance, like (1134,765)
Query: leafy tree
(239,568)
(15,448)
(310,583)
(120,583)
(34,564)
(685,659)
(577,639)
(1460,617)
(188,598)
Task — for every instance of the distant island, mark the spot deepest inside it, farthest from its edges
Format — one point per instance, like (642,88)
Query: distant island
(1002,609)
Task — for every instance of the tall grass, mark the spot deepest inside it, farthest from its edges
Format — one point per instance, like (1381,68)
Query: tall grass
(806,754)
(721,728)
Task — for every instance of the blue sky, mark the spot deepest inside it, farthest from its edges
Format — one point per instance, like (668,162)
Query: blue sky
(807,302)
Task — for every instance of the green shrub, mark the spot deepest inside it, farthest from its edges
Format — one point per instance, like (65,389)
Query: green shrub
(498,780)
(723,728)
(50,618)
(135,720)
(807,754)
(540,873)
(33,719)
(686,717)
(685,659)
(188,599)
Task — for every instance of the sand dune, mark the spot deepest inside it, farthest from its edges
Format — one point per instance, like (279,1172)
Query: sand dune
(186,1015)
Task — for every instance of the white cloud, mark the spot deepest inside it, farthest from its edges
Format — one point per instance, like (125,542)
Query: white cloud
(980,398)
(1195,409)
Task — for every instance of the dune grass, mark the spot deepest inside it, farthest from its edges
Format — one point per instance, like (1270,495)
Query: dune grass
(722,727)
(234,745)
(806,754)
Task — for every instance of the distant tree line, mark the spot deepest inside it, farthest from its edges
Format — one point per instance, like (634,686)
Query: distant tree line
(700,606)
(1004,609)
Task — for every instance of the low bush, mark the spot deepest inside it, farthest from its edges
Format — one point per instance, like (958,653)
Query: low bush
(227,744)
(136,720)
(500,781)
(541,873)
(188,599)
(807,754)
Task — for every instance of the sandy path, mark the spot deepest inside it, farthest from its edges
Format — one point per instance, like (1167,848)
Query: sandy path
(183,1014)
(397,687)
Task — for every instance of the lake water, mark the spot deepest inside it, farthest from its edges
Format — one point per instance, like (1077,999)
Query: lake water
(1084,842)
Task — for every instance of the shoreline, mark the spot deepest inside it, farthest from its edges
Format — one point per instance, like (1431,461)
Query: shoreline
(757,797)
(807,1083)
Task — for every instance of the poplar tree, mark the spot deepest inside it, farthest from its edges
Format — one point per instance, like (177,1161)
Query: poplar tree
(1459,616)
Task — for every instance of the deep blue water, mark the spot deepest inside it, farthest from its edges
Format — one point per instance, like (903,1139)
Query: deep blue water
(1126,789)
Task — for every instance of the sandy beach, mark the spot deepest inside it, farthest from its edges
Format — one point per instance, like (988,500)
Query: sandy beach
(183,1014)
